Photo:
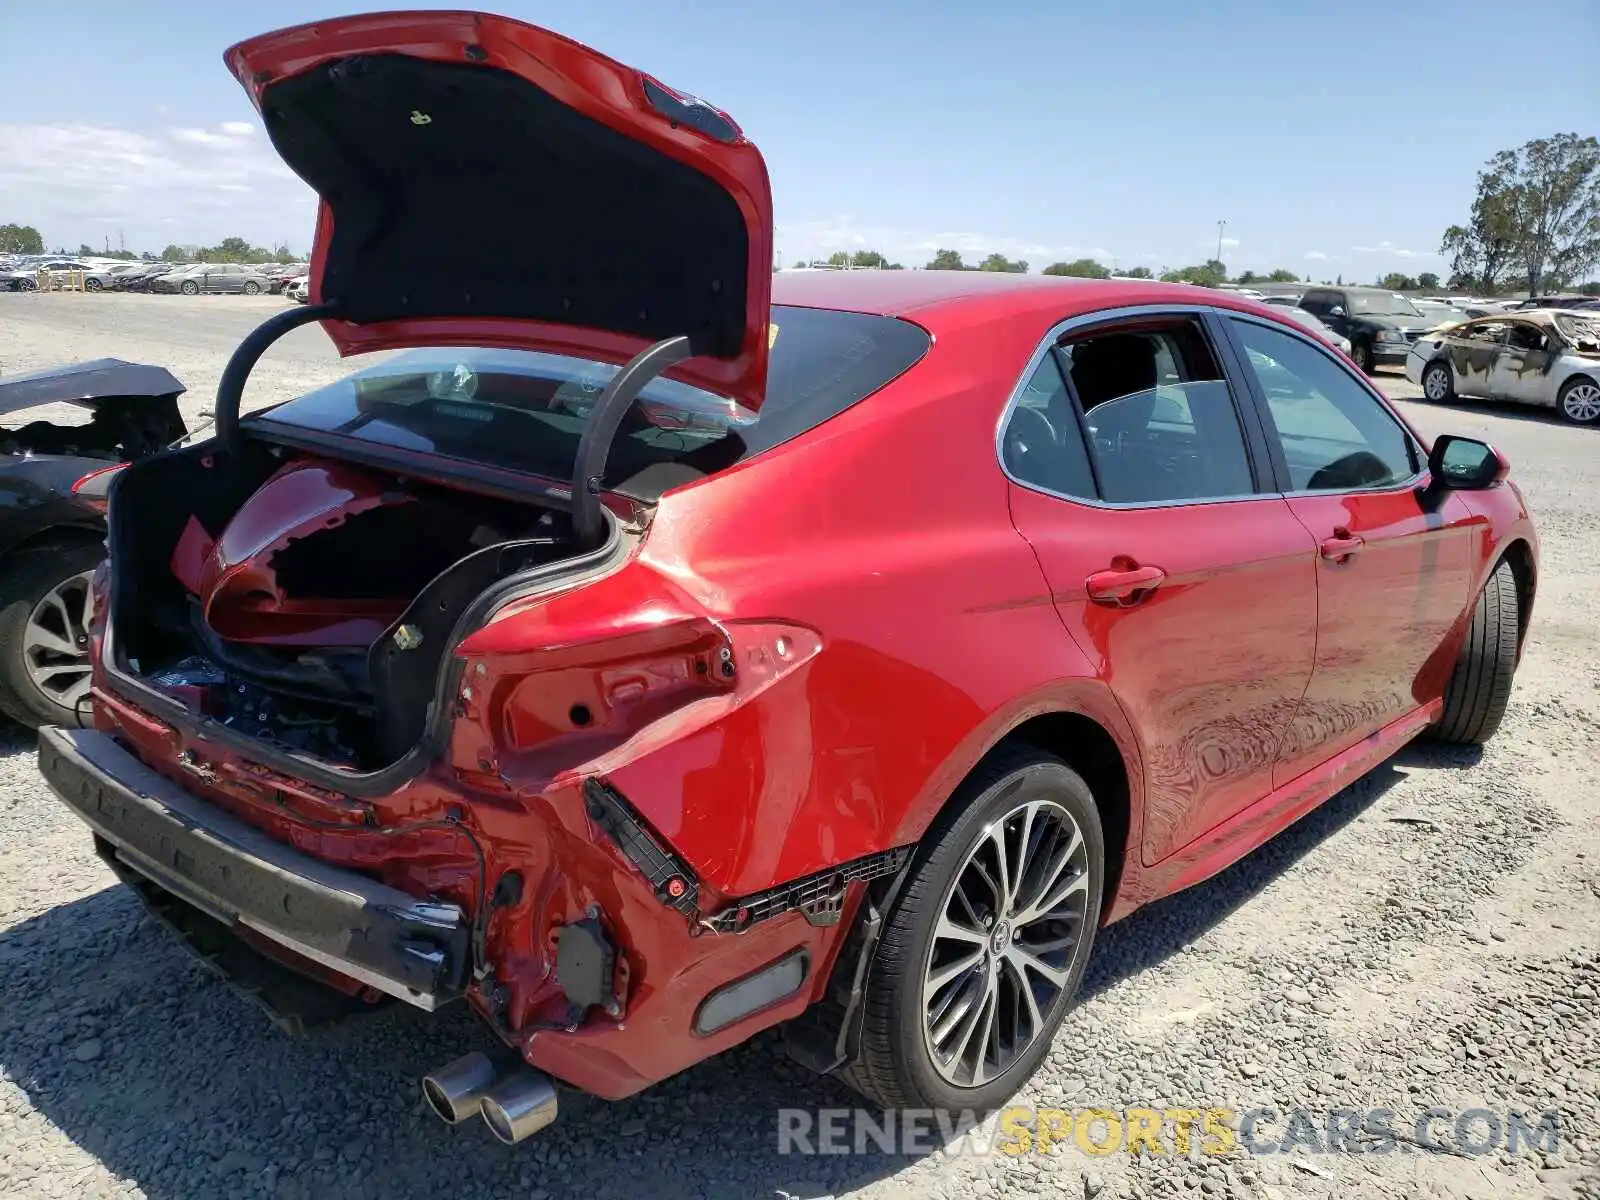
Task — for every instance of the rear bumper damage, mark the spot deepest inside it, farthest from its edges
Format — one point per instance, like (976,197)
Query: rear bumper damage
(355,926)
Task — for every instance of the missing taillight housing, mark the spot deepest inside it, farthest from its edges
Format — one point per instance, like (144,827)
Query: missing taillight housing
(611,687)
(94,489)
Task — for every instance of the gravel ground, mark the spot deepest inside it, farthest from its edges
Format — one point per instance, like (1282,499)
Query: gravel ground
(1431,936)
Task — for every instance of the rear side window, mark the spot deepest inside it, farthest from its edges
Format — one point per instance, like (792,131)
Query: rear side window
(1151,408)
(521,410)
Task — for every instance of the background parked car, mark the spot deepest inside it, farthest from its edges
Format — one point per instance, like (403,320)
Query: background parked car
(1309,320)
(1548,357)
(1380,324)
(213,277)
(1439,312)
(52,527)
(139,281)
(282,277)
(299,290)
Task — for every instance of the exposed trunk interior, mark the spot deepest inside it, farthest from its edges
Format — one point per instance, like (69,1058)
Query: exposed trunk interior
(305,601)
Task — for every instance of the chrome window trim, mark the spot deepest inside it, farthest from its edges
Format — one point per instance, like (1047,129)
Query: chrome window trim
(1042,351)
(1418,453)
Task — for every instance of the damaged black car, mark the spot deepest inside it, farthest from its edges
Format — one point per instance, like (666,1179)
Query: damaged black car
(55,466)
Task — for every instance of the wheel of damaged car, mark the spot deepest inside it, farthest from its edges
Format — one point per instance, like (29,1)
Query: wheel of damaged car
(189,287)
(252,288)
(1580,400)
(45,606)
(985,948)
(1438,383)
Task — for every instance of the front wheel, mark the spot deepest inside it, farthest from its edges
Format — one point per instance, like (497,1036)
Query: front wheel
(1480,684)
(92,284)
(980,960)
(252,288)
(1438,383)
(1365,359)
(189,288)
(45,606)
(1580,400)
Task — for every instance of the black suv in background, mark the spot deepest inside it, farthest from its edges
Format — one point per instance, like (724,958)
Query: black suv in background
(1380,324)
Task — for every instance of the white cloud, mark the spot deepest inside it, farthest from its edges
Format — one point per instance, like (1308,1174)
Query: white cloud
(1316,256)
(1228,243)
(72,179)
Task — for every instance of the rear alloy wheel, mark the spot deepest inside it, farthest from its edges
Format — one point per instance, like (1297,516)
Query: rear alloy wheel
(26,284)
(1580,400)
(92,284)
(982,955)
(1438,383)
(1480,684)
(189,288)
(252,288)
(45,606)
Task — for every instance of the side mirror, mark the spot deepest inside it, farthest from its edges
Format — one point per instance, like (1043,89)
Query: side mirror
(1336,311)
(1465,464)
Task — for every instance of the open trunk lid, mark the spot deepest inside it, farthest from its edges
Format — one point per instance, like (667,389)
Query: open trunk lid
(484,181)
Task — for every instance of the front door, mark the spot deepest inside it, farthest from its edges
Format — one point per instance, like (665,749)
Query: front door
(1472,350)
(1193,594)
(1521,369)
(1394,570)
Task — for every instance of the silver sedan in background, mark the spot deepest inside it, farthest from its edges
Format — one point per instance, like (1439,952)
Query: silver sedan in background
(1547,357)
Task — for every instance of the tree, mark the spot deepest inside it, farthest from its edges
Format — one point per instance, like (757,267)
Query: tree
(1079,268)
(1536,214)
(1209,274)
(1428,281)
(999,262)
(947,260)
(1396,282)
(85,250)
(1282,276)
(174,254)
(1250,277)
(1553,192)
(1141,273)
(20,239)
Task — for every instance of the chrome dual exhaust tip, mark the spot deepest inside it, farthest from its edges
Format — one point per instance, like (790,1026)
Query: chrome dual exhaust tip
(455,1092)
(514,1107)
(519,1106)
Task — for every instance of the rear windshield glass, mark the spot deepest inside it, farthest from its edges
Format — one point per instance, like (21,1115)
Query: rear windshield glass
(521,410)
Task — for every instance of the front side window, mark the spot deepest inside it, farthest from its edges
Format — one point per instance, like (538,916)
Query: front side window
(1335,435)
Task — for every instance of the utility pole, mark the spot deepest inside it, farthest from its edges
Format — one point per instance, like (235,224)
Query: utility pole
(1221,225)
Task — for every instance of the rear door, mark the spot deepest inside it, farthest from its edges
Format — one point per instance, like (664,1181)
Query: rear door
(1394,569)
(1135,476)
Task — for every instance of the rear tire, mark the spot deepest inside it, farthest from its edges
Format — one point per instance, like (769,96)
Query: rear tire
(1480,685)
(37,682)
(189,288)
(1579,401)
(1017,792)
(1439,383)
(252,288)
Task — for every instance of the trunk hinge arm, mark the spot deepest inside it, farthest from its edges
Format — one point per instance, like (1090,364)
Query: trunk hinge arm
(595,444)
(230,388)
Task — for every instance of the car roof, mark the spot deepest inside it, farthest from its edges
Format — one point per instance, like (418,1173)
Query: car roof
(961,297)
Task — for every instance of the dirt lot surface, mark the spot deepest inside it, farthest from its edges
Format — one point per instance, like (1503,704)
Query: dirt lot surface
(1430,937)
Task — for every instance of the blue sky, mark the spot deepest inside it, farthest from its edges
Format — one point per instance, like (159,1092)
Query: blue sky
(1332,139)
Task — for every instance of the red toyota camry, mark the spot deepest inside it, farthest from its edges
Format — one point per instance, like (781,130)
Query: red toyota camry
(658,650)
